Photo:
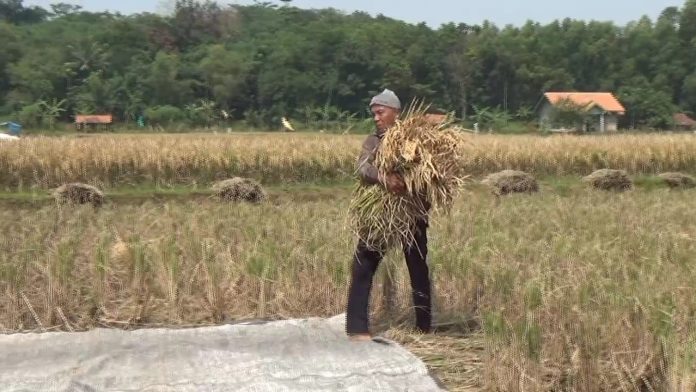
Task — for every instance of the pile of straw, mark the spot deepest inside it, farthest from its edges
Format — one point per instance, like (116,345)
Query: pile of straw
(239,189)
(609,180)
(427,156)
(78,193)
(511,181)
(678,180)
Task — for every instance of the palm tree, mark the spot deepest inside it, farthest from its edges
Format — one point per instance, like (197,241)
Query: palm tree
(86,58)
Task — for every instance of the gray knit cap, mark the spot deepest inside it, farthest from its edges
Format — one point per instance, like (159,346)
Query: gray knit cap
(386,98)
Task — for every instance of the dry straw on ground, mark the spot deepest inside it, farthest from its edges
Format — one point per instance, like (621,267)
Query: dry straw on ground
(120,251)
(678,180)
(564,300)
(239,189)
(78,193)
(511,181)
(427,156)
(609,180)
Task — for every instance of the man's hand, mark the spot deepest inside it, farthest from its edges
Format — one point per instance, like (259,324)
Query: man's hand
(395,183)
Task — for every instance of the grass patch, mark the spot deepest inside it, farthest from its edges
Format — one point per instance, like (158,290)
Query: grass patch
(142,194)
(649,182)
(562,185)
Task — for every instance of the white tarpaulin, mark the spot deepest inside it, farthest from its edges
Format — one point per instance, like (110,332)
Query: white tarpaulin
(293,355)
(4,136)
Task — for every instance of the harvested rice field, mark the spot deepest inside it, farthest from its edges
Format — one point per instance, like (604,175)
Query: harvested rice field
(567,289)
(561,287)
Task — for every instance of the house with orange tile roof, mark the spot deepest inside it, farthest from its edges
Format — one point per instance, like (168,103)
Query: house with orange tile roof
(600,110)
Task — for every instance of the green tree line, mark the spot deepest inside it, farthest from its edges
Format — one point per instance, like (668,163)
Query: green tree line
(207,62)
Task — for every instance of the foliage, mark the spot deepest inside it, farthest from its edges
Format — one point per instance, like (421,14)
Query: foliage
(31,115)
(202,113)
(51,110)
(262,62)
(164,115)
(568,114)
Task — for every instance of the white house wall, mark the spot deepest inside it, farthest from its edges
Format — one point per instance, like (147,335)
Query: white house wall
(545,114)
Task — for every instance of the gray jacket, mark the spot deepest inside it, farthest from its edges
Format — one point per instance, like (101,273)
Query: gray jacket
(366,169)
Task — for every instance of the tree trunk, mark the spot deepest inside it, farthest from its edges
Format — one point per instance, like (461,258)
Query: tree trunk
(464,101)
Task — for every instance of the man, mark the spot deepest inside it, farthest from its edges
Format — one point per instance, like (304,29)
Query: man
(385,108)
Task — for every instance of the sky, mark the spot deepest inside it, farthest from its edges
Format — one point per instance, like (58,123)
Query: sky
(437,12)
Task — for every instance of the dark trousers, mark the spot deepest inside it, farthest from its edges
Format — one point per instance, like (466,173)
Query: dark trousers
(365,263)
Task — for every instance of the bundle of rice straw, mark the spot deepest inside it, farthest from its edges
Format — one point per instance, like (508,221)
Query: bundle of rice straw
(239,189)
(78,193)
(427,155)
(511,181)
(609,180)
(678,180)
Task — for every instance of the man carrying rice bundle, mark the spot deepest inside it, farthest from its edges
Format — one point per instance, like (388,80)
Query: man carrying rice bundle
(405,167)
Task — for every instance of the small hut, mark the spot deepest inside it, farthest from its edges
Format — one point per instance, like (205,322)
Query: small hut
(683,122)
(93,121)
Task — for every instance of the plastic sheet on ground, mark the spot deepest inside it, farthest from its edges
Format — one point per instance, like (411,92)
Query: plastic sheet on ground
(292,355)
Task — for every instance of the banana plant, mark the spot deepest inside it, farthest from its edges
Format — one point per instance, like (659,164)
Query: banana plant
(203,110)
(51,110)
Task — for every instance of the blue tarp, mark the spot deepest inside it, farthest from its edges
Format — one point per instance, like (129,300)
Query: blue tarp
(14,128)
